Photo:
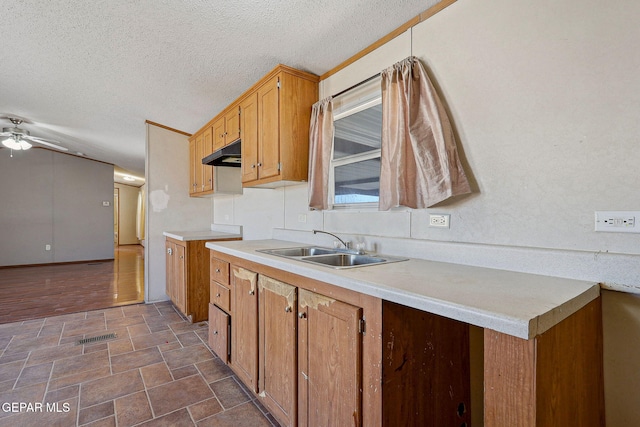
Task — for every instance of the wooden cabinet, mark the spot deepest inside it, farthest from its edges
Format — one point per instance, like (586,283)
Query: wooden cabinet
(275,133)
(330,362)
(272,120)
(176,273)
(226,128)
(554,379)
(426,371)
(249,131)
(403,366)
(200,176)
(278,368)
(271,331)
(195,172)
(219,308)
(219,332)
(187,277)
(244,330)
(206,148)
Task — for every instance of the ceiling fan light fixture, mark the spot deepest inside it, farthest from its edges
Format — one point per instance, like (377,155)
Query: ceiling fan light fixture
(16,143)
(24,144)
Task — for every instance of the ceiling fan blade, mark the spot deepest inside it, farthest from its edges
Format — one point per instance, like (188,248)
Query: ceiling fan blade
(5,134)
(45,142)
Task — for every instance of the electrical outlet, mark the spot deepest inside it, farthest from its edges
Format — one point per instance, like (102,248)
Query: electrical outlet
(617,221)
(47,247)
(439,220)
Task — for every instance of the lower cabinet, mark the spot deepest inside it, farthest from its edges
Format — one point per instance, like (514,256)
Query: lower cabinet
(187,277)
(306,352)
(300,354)
(244,330)
(176,280)
(277,351)
(330,362)
(219,332)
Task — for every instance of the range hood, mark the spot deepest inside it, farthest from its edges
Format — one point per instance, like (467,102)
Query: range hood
(226,156)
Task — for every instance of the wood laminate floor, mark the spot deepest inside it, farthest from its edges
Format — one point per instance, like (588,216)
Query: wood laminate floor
(43,291)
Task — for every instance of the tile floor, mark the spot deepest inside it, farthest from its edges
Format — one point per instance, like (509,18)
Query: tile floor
(158,371)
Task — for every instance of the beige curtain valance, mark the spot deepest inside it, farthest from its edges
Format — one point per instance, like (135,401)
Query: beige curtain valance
(419,159)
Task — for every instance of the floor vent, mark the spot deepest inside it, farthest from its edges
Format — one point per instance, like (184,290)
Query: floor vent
(96,339)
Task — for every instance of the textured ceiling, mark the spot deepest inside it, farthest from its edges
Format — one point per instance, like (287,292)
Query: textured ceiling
(88,74)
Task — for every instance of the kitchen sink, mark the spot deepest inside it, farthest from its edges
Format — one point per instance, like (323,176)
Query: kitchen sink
(299,252)
(333,258)
(344,260)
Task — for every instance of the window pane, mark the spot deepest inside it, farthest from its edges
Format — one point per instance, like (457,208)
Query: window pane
(358,133)
(357,182)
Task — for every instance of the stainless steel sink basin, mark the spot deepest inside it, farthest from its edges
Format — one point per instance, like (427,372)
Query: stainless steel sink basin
(333,258)
(344,260)
(299,252)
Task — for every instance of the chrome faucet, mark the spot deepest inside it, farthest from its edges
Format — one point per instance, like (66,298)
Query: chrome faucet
(347,245)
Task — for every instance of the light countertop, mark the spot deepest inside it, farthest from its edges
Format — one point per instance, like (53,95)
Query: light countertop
(519,304)
(186,236)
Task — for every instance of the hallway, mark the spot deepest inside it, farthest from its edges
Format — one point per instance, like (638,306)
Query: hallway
(42,291)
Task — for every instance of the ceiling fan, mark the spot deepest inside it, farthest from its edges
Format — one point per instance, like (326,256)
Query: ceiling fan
(20,139)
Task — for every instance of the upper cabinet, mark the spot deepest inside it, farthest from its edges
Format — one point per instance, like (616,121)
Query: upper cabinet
(200,176)
(272,121)
(274,129)
(226,128)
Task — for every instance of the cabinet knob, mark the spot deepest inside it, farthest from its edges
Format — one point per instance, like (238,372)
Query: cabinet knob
(215,332)
(287,309)
(253,166)
(181,256)
(259,164)
(217,270)
(302,315)
(218,295)
(252,292)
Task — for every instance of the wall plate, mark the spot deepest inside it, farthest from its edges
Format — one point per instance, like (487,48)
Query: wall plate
(617,221)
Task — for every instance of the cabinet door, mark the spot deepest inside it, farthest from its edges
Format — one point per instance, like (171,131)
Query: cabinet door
(249,142)
(219,332)
(218,134)
(180,277)
(269,125)
(232,125)
(197,165)
(170,275)
(206,148)
(193,166)
(277,351)
(244,333)
(330,362)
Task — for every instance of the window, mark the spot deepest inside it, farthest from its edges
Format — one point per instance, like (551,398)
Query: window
(354,178)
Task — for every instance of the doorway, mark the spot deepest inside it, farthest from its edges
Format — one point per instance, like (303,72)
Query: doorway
(116,215)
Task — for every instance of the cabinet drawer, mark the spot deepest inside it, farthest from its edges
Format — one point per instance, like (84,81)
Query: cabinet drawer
(219,332)
(220,296)
(219,270)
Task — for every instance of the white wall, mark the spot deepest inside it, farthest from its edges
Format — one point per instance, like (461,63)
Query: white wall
(128,210)
(169,207)
(544,97)
(50,198)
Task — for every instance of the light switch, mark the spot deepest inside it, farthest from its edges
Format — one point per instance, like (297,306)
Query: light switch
(106,203)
